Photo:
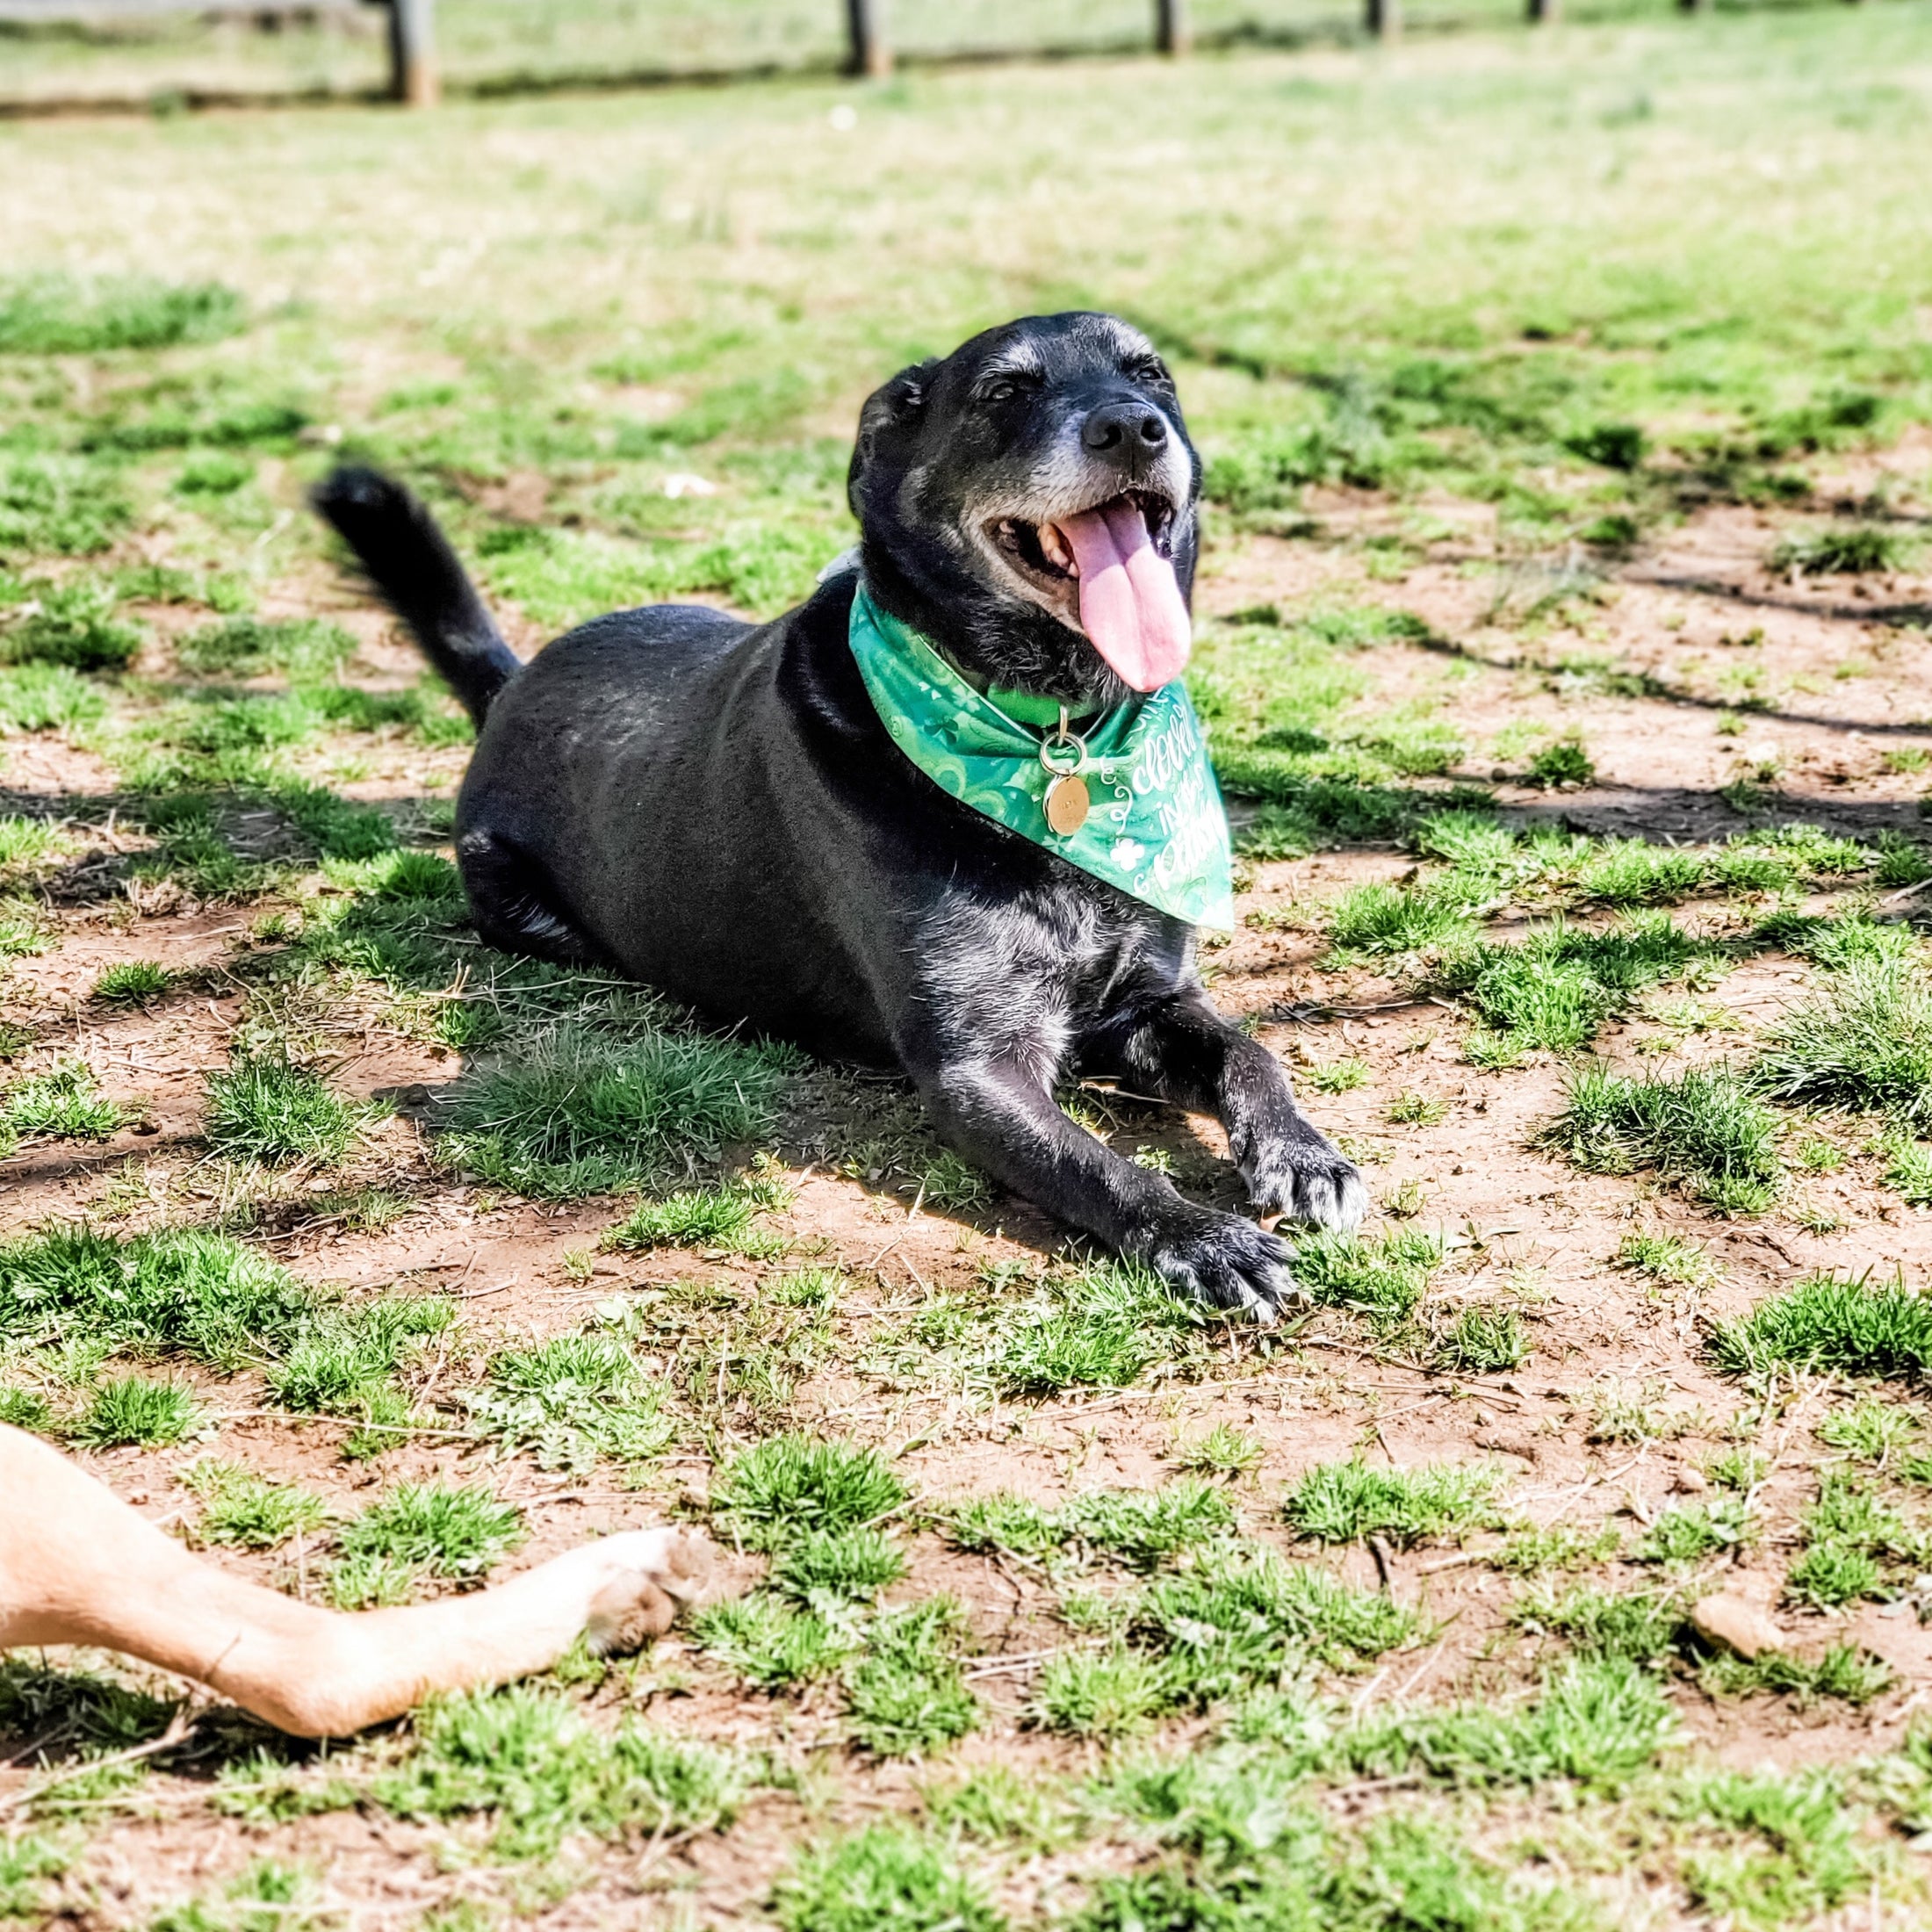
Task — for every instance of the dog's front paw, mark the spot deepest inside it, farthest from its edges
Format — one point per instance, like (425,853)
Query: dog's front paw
(1306,1179)
(1224,1261)
(651,1574)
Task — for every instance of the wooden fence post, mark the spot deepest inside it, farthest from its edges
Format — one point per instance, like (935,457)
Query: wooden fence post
(413,76)
(871,51)
(1385,19)
(1172,33)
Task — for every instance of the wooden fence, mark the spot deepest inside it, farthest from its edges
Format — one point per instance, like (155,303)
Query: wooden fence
(413,73)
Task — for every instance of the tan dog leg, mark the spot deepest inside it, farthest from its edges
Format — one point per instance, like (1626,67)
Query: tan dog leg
(78,1566)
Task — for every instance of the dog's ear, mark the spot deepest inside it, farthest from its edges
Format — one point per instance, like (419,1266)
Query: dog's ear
(890,407)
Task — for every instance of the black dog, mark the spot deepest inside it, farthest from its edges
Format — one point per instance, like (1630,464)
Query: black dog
(715,808)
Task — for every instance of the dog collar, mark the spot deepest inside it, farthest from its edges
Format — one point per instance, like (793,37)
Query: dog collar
(1149,818)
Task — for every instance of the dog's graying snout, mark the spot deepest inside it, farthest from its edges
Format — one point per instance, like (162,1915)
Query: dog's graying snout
(1125,428)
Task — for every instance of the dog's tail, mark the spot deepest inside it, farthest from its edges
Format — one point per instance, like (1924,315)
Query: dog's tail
(396,540)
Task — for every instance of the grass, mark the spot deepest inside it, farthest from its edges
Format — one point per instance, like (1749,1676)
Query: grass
(1222,1450)
(132,983)
(1598,1720)
(835,1567)
(241,1509)
(1554,990)
(1851,549)
(1870,1429)
(1382,1278)
(1703,1128)
(1684,1534)
(47,314)
(138,1411)
(885,1878)
(1843,1671)
(1482,1341)
(179,1291)
(345,1358)
(526,1761)
(266,1108)
(577,1112)
(906,1695)
(720,1218)
(1105,1694)
(1827,1322)
(1564,763)
(793,1485)
(1863,1041)
(1667,1258)
(571,1400)
(1142,1529)
(249,647)
(1242,1618)
(1639,1626)
(62,1104)
(1345,1501)
(1370,921)
(457,1533)
(1103,1325)
(771,1644)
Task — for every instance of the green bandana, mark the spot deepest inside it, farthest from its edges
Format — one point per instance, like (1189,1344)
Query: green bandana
(1156,829)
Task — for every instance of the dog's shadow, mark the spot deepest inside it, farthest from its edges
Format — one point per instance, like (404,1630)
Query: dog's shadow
(73,1731)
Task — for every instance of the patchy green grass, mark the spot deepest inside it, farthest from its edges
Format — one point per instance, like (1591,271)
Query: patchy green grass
(274,1110)
(132,983)
(527,1763)
(1843,1671)
(1142,1529)
(770,1644)
(1853,1326)
(886,1876)
(138,1411)
(1345,1501)
(1863,1041)
(63,1104)
(571,1400)
(1847,551)
(1382,1278)
(186,1291)
(244,1510)
(1598,1720)
(1703,1128)
(906,1695)
(792,1485)
(52,315)
(579,1111)
(1667,1258)
(451,1532)
(722,1218)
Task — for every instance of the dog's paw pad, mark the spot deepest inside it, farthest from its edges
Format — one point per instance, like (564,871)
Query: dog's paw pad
(655,1575)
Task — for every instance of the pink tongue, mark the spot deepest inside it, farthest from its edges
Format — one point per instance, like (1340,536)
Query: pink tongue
(1130,605)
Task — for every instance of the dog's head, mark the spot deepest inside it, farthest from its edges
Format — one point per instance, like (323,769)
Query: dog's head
(1029,503)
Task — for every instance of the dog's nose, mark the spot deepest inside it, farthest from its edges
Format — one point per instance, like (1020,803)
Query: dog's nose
(1125,428)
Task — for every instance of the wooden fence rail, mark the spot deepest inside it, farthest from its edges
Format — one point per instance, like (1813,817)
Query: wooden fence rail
(414,77)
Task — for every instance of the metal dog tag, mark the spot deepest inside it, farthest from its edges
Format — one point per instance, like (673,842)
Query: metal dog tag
(1065,756)
(1067,804)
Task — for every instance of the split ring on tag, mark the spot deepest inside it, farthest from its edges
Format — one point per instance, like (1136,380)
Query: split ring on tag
(1067,801)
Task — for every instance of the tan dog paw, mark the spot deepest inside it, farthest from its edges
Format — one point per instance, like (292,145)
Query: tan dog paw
(657,1574)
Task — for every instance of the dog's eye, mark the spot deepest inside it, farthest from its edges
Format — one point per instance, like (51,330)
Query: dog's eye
(1002,390)
(1151,369)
